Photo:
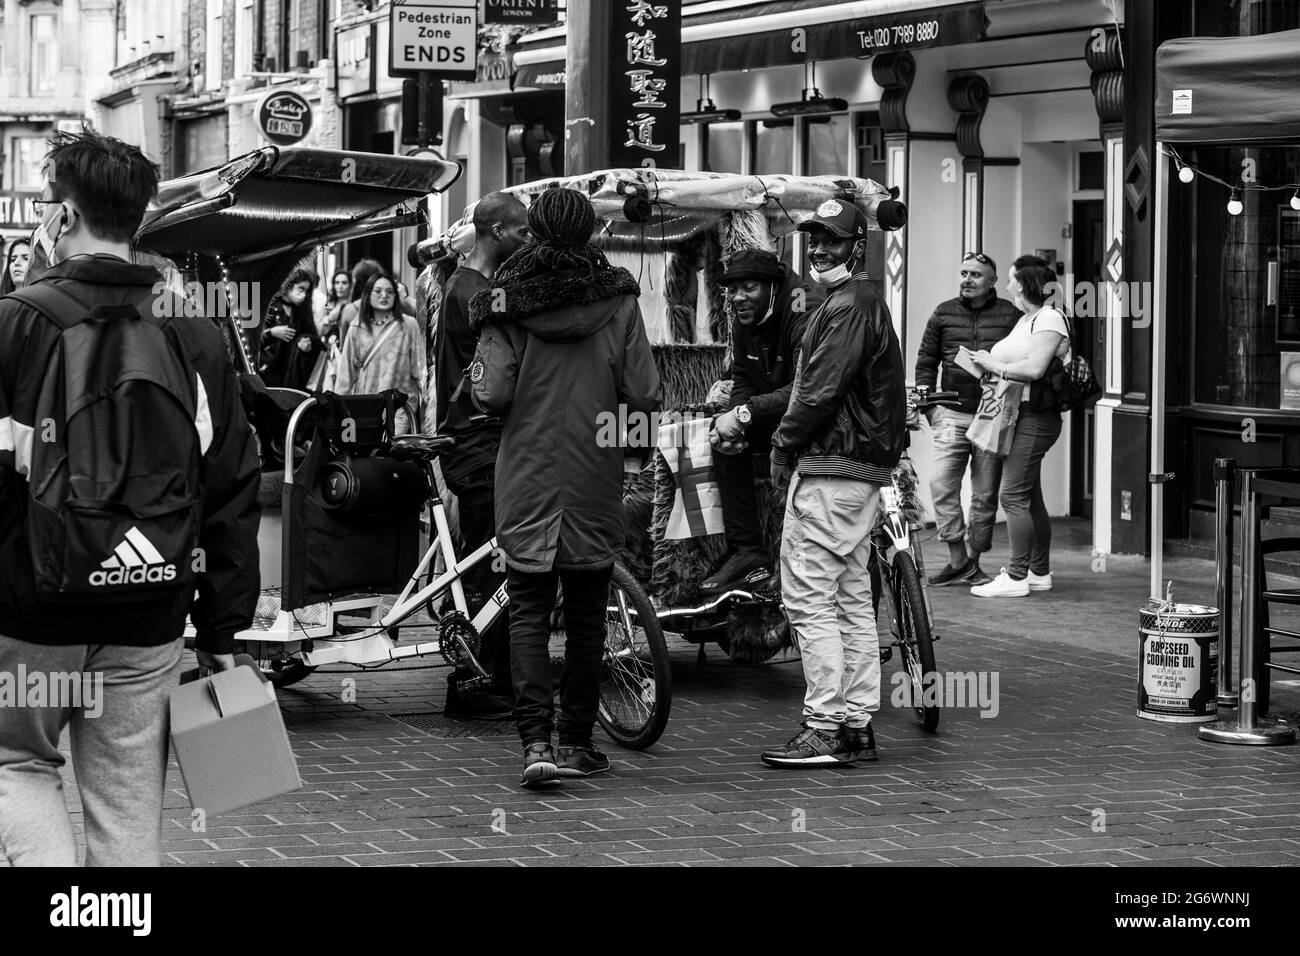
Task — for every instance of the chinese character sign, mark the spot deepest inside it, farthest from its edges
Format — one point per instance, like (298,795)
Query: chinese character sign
(645,87)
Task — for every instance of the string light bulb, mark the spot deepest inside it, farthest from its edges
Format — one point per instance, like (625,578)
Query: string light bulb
(1295,201)
(1234,203)
(1185,174)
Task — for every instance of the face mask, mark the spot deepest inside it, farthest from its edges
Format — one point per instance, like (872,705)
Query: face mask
(834,276)
(43,245)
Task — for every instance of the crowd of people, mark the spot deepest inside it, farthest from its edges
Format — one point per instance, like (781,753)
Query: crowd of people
(534,336)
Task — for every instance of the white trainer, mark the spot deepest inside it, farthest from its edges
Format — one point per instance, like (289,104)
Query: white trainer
(1002,586)
(1040,582)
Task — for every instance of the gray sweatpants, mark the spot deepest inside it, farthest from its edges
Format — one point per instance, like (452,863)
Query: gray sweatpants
(119,751)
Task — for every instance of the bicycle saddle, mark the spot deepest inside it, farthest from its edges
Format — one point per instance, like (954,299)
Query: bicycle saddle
(421,447)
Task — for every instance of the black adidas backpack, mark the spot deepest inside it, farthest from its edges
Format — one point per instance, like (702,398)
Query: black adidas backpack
(115,479)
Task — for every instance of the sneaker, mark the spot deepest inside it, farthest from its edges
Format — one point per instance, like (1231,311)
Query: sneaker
(975,575)
(950,575)
(1002,586)
(811,748)
(539,765)
(740,569)
(1040,582)
(862,742)
(581,761)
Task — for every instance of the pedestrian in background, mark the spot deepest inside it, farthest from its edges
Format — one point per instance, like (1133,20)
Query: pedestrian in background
(1040,335)
(384,350)
(339,295)
(976,319)
(499,227)
(561,344)
(362,273)
(290,343)
(16,262)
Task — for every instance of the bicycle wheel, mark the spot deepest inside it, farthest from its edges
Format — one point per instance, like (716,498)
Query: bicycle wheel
(914,637)
(636,685)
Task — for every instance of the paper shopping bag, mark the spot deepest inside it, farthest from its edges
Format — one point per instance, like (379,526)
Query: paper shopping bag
(994,425)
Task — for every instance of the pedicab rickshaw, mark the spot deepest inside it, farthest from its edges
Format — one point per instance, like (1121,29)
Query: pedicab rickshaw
(343,498)
(674,230)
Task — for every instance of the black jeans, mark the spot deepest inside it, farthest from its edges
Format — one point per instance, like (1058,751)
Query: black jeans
(477,504)
(1021,494)
(736,475)
(532,598)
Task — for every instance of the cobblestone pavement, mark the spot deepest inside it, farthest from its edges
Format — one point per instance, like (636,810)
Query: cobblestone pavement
(1063,774)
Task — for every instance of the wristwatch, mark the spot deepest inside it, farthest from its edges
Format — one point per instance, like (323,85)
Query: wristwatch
(743,414)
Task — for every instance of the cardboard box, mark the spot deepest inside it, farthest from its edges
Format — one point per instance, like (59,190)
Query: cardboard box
(229,738)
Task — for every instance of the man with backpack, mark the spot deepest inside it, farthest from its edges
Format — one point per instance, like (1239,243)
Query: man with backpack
(128,482)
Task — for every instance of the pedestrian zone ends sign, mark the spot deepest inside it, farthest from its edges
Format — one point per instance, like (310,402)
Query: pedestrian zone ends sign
(439,38)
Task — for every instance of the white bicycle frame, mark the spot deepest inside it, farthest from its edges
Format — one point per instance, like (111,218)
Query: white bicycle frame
(329,647)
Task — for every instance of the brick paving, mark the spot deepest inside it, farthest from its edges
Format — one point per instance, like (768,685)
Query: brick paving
(1064,775)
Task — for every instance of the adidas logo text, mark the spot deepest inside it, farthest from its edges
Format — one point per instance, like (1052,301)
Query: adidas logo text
(134,561)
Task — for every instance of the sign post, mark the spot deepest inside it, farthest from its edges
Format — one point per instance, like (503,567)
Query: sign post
(432,42)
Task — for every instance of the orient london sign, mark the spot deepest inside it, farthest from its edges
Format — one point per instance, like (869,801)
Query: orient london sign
(284,117)
(439,38)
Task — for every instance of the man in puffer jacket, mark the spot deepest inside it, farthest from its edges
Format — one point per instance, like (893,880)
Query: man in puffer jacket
(977,319)
(562,347)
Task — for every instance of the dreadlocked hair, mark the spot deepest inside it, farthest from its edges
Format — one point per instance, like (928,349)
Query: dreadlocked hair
(561,221)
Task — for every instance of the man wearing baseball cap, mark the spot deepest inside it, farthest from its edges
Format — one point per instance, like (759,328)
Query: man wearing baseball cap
(842,434)
(768,319)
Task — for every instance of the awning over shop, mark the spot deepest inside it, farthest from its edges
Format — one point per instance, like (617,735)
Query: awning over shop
(1226,89)
(719,40)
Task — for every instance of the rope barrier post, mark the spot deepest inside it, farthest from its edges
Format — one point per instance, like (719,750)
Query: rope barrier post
(1224,475)
(1249,728)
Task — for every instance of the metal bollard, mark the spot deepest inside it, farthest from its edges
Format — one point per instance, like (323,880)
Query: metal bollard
(1249,727)
(1224,474)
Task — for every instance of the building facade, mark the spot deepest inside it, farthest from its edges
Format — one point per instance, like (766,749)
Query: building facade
(48,71)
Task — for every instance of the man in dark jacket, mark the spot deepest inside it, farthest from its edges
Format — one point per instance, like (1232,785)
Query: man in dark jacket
(564,354)
(844,432)
(500,227)
(95,196)
(767,307)
(976,319)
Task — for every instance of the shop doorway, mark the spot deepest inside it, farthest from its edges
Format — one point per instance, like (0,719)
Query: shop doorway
(1089,337)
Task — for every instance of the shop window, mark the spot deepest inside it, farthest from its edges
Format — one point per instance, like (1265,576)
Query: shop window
(244,18)
(724,147)
(826,145)
(773,147)
(29,154)
(1246,282)
(212,54)
(45,53)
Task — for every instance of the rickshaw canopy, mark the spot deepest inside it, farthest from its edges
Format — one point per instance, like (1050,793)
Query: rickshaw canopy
(273,202)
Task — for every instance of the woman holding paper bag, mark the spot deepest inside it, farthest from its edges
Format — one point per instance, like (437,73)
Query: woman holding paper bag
(1023,356)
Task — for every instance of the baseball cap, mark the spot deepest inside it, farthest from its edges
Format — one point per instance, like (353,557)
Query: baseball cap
(842,217)
(754,264)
